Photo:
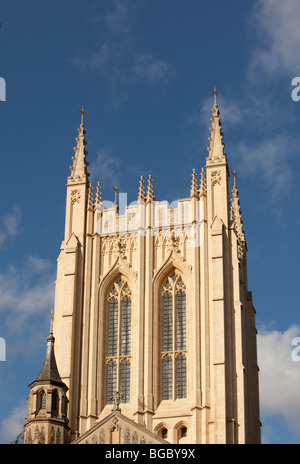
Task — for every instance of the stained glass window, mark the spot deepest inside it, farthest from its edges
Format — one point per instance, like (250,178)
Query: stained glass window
(167,378)
(125,381)
(126,326)
(180,321)
(181,376)
(167,322)
(111,380)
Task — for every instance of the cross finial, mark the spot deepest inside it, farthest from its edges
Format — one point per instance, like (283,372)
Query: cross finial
(116,398)
(235,176)
(117,191)
(51,325)
(216,94)
(83,114)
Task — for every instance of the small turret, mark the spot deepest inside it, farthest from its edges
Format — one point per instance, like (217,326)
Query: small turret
(46,420)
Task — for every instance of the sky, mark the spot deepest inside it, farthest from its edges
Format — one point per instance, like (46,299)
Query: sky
(143,70)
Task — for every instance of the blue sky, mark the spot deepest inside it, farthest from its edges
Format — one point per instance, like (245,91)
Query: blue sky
(143,70)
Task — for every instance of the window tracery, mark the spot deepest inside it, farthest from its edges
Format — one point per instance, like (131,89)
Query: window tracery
(118,358)
(173,355)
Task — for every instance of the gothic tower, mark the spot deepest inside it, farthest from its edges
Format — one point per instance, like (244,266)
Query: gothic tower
(154,324)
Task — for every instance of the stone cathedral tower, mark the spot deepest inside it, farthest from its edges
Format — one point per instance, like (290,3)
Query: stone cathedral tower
(154,326)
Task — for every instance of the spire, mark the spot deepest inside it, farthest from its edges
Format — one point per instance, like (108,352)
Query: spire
(194,187)
(216,148)
(79,169)
(202,188)
(150,194)
(49,371)
(141,195)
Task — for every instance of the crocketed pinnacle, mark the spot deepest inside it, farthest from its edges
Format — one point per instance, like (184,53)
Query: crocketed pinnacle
(150,194)
(98,194)
(202,188)
(141,195)
(79,169)
(90,197)
(194,187)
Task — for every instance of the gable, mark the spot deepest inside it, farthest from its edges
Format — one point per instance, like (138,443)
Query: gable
(118,429)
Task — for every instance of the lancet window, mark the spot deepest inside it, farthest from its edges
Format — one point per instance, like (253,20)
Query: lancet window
(174,354)
(118,359)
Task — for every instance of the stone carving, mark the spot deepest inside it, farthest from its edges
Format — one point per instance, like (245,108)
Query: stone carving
(216,177)
(75,196)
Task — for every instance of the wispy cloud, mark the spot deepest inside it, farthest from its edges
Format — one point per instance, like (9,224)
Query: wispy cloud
(279,375)
(12,425)
(106,167)
(120,19)
(277,27)
(149,68)
(27,296)
(10,226)
(268,162)
(116,58)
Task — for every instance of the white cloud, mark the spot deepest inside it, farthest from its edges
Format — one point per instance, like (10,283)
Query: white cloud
(27,296)
(106,167)
(10,225)
(279,376)
(29,288)
(268,161)
(12,425)
(149,68)
(277,25)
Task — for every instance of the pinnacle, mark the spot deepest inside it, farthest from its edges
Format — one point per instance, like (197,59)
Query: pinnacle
(150,194)
(79,168)
(202,188)
(98,193)
(141,195)
(194,188)
(90,196)
(216,147)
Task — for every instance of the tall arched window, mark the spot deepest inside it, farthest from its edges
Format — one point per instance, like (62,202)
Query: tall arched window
(43,399)
(118,357)
(54,403)
(174,372)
